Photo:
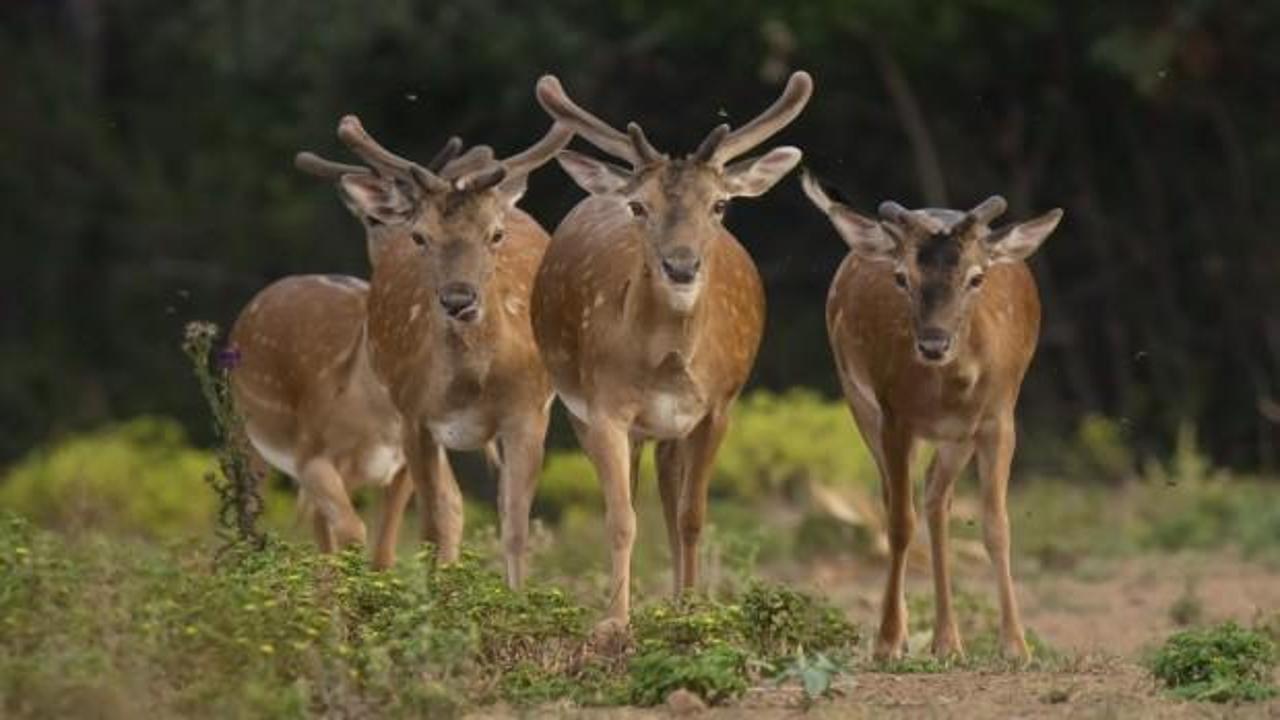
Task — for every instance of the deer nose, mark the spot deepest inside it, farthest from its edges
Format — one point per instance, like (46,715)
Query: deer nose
(933,343)
(459,301)
(681,265)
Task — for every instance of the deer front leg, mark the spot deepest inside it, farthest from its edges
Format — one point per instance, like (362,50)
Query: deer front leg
(699,451)
(995,454)
(522,450)
(947,464)
(324,487)
(897,446)
(439,499)
(606,442)
(394,499)
(670,478)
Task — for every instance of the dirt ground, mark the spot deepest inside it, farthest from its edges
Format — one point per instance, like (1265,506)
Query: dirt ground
(1105,616)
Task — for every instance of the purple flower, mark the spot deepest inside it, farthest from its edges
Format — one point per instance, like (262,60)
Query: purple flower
(228,358)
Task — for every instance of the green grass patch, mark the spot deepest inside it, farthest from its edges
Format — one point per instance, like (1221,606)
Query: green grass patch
(147,630)
(1224,663)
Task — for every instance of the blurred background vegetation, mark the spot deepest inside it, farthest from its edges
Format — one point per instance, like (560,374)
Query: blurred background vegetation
(146,179)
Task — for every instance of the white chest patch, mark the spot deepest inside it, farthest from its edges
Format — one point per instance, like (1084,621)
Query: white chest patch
(948,428)
(278,458)
(669,415)
(380,463)
(575,405)
(462,430)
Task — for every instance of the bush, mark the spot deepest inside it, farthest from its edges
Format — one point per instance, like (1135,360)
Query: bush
(777,443)
(1226,663)
(137,477)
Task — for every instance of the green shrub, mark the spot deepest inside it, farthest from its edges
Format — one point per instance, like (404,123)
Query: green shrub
(778,442)
(139,477)
(1226,663)
(716,674)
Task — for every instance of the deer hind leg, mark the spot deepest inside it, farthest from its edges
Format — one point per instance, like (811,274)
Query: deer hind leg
(522,451)
(439,499)
(699,451)
(670,477)
(324,488)
(947,465)
(895,475)
(995,454)
(394,499)
(608,446)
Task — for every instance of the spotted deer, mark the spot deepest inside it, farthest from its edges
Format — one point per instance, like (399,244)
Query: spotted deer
(933,319)
(649,313)
(312,408)
(448,331)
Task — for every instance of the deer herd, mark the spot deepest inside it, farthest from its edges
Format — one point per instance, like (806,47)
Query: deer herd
(643,314)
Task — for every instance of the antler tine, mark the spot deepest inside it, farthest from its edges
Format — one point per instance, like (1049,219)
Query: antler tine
(552,98)
(989,209)
(644,149)
(707,150)
(312,164)
(450,150)
(892,211)
(766,124)
(351,132)
(470,161)
(481,178)
(540,152)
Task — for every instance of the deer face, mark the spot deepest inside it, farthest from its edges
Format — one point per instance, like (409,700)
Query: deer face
(938,258)
(677,205)
(678,208)
(452,210)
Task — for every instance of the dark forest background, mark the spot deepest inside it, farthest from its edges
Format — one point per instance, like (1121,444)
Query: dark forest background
(146,178)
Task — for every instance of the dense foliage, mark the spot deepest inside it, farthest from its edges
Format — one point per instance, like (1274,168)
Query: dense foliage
(1225,663)
(145,176)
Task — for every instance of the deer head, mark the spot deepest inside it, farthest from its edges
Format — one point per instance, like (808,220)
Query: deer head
(939,257)
(677,204)
(453,209)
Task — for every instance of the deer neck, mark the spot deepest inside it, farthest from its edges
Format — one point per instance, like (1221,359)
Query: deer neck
(666,334)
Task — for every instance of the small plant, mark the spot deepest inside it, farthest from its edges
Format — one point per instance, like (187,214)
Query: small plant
(240,504)
(815,674)
(1225,663)
(781,622)
(716,674)
(1188,609)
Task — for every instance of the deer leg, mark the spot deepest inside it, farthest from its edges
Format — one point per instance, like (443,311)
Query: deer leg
(699,451)
(320,528)
(607,444)
(322,483)
(394,499)
(947,464)
(995,454)
(667,458)
(439,499)
(897,446)
(522,451)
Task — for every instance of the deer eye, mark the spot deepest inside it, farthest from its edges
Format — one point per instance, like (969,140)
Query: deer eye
(637,209)
(976,281)
(900,279)
(719,206)
(419,239)
(497,236)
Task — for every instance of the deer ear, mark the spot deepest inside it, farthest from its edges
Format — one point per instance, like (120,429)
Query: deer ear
(754,176)
(1018,242)
(862,234)
(594,176)
(376,199)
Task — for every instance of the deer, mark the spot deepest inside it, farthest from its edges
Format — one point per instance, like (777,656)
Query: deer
(648,314)
(309,403)
(448,332)
(933,319)
(310,406)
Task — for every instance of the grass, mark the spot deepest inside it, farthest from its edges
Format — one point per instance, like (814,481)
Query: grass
(124,629)
(1224,663)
